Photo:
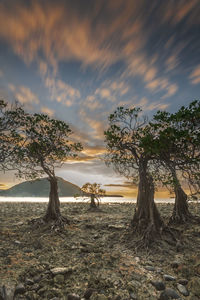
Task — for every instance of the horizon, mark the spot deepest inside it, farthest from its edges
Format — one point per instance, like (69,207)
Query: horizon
(77,61)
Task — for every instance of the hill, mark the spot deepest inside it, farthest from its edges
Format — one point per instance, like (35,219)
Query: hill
(40,188)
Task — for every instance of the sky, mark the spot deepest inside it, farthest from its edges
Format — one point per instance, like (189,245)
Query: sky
(78,60)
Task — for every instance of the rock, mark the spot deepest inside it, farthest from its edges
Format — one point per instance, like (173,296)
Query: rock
(101,297)
(20,289)
(175,264)
(137,259)
(59,278)
(118,227)
(159,285)
(6,293)
(163,296)
(169,294)
(169,277)
(150,268)
(73,297)
(118,297)
(194,286)
(182,289)
(133,296)
(88,293)
(29,281)
(61,270)
(183,281)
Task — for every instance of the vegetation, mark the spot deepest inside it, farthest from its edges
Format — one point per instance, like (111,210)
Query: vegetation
(128,141)
(177,142)
(39,144)
(95,192)
(11,117)
(166,150)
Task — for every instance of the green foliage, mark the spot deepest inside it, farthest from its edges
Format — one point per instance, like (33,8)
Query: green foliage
(93,189)
(11,121)
(46,145)
(34,144)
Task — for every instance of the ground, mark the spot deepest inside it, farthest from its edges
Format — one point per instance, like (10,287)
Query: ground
(96,253)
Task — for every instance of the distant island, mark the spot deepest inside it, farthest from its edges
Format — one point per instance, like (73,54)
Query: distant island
(41,187)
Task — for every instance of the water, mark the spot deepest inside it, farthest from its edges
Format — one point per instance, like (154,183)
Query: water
(72,199)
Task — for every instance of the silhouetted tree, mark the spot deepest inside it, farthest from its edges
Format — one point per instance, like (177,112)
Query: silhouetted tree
(11,121)
(177,140)
(95,192)
(127,138)
(46,147)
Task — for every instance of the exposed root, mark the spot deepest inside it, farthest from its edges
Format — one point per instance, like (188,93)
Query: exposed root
(149,238)
(55,225)
(180,219)
(94,209)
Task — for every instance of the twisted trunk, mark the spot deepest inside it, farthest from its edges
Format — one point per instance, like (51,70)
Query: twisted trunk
(146,220)
(181,212)
(92,202)
(53,209)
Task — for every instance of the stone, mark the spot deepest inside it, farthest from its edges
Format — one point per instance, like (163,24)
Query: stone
(194,286)
(118,297)
(183,281)
(175,264)
(182,289)
(159,285)
(7,292)
(101,297)
(59,278)
(150,268)
(61,270)
(169,277)
(163,296)
(20,289)
(88,293)
(169,294)
(73,297)
(29,281)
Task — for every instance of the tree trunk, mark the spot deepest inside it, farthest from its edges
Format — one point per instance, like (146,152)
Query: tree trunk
(53,209)
(181,212)
(92,202)
(146,220)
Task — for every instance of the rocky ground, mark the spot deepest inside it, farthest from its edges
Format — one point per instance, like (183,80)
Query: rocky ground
(94,257)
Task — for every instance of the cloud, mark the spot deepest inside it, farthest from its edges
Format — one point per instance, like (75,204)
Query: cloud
(174,12)
(195,75)
(1,73)
(146,105)
(48,111)
(2,185)
(162,84)
(61,91)
(24,95)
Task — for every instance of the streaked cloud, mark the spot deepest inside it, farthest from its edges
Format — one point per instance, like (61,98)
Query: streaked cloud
(24,95)
(195,75)
(61,91)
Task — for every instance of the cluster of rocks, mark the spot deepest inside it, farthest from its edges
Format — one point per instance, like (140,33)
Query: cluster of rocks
(99,264)
(52,284)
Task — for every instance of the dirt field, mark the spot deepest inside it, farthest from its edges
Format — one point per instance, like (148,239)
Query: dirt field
(95,254)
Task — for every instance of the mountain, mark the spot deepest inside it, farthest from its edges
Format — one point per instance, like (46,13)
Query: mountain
(40,188)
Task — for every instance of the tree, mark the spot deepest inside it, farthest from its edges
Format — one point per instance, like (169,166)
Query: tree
(128,141)
(178,140)
(11,118)
(45,147)
(95,192)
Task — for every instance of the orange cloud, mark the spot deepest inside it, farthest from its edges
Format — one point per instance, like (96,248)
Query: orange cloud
(195,75)
(24,95)
(61,91)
